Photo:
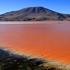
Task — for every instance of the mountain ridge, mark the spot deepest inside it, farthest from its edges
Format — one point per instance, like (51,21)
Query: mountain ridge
(33,14)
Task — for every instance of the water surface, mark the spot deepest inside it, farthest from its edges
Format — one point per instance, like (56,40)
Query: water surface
(48,40)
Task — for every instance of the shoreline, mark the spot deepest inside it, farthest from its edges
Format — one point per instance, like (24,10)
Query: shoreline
(34,22)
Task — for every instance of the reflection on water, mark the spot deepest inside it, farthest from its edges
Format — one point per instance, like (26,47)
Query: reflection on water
(46,40)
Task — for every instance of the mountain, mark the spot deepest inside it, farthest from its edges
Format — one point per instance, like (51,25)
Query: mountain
(13,61)
(33,13)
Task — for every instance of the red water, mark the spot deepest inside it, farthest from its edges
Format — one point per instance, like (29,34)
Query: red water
(50,41)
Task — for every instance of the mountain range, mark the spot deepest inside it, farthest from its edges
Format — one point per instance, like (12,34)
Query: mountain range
(33,14)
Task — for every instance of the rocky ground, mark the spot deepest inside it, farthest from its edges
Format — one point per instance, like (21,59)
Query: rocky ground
(13,61)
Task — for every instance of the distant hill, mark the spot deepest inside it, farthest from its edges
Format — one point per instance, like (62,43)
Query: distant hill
(33,14)
(13,61)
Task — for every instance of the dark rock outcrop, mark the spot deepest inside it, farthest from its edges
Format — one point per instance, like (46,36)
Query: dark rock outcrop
(13,61)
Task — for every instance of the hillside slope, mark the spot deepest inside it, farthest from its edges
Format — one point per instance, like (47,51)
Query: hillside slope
(33,13)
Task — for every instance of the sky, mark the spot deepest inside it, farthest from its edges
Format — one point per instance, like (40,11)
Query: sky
(62,6)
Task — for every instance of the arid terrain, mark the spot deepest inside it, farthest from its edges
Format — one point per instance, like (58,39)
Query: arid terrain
(33,14)
(14,61)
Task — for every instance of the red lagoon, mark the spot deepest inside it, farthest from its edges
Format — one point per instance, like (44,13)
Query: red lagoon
(50,40)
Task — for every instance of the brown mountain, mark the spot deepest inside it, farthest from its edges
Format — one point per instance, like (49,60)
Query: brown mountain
(33,13)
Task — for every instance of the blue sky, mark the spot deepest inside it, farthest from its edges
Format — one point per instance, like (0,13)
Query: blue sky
(62,6)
